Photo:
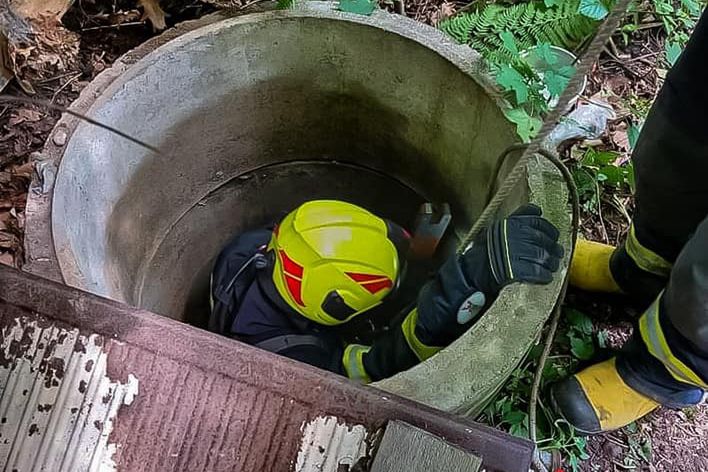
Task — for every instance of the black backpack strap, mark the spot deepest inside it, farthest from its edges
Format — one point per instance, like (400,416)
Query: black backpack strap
(278,344)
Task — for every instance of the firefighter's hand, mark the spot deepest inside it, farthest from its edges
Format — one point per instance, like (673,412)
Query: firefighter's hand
(520,248)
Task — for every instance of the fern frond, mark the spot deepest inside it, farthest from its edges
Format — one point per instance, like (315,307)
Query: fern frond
(531,23)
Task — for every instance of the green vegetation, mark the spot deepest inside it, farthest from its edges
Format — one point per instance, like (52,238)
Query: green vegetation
(574,343)
(505,34)
(599,171)
(532,24)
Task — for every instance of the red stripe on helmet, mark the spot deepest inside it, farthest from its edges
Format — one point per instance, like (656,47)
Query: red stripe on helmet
(364,278)
(372,283)
(376,287)
(295,288)
(290,266)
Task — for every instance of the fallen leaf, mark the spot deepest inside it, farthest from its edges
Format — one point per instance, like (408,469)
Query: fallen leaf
(41,8)
(445,11)
(6,73)
(7,259)
(23,170)
(621,139)
(9,241)
(24,115)
(154,14)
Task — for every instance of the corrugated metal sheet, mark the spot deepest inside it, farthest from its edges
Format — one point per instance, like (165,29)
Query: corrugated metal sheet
(57,404)
(204,402)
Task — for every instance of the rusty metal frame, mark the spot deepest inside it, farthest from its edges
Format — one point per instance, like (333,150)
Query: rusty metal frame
(201,394)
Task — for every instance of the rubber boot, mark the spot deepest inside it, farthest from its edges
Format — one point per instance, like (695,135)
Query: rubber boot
(590,267)
(597,400)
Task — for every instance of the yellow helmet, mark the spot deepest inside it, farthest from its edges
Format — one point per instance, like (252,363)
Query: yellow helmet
(333,261)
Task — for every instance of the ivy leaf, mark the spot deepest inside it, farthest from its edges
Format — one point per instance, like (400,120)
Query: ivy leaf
(594,9)
(545,53)
(526,126)
(579,321)
(672,51)
(509,42)
(515,417)
(555,83)
(510,80)
(360,7)
(692,6)
(582,348)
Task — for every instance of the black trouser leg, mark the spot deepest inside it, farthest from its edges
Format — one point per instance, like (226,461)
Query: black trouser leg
(671,169)
(667,359)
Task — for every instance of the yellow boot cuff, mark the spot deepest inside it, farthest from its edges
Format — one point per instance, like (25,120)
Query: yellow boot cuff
(590,267)
(615,403)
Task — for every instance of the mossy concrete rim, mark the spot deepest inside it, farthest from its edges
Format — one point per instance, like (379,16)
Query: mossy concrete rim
(475,365)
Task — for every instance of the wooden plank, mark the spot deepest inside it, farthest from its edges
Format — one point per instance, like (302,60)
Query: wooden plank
(405,448)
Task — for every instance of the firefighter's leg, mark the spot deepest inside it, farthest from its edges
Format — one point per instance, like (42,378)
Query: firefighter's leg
(666,362)
(671,165)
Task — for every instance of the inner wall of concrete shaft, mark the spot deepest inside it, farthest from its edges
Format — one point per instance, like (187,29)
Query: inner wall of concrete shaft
(254,115)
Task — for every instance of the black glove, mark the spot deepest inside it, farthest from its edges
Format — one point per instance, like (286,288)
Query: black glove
(520,248)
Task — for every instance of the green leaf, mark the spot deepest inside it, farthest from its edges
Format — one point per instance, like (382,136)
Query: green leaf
(613,175)
(519,430)
(515,417)
(672,52)
(551,3)
(545,53)
(555,83)
(633,135)
(510,80)
(630,176)
(582,348)
(579,321)
(526,126)
(594,9)
(509,42)
(360,7)
(693,7)
(285,4)
(663,7)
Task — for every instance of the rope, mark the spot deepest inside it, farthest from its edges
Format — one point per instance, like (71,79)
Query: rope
(587,61)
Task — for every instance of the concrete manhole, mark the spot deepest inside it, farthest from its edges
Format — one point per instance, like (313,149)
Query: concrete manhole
(257,113)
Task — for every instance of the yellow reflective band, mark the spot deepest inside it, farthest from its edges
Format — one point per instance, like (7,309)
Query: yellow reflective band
(353,360)
(654,338)
(645,258)
(421,351)
(506,244)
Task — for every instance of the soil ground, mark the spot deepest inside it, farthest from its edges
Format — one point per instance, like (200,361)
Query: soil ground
(631,74)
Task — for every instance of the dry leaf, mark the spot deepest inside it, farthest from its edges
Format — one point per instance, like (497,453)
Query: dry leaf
(6,73)
(24,115)
(50,51)
(154,14)
(41,8)
(7,259)
(445,11)
(620,138)
(9,241)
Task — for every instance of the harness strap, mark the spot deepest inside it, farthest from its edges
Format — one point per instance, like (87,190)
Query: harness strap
(278,344)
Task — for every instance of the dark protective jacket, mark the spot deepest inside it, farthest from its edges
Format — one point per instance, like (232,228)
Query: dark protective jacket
(247,307)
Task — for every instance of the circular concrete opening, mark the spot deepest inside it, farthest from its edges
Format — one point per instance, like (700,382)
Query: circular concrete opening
(258,113)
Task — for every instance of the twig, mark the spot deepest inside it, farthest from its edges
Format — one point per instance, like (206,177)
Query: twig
(66,84)
(68,111)
(599,214)
(117,25)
